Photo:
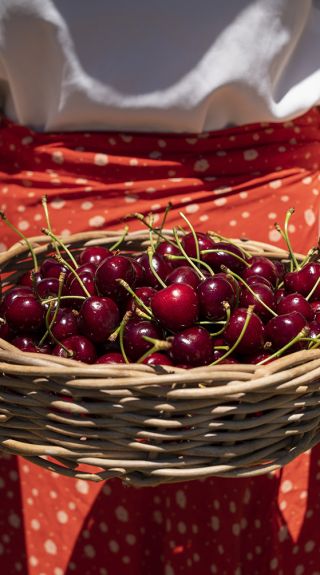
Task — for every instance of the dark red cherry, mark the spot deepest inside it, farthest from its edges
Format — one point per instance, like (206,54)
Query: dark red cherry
(316,310)
(252,339)
(139,274)
(53,269)
(165,249)
(109,272)
(48,287)
(159,264)
(133,337)
(176,306)
(94,255)
(5,331)
(295,302)
(192,346)
(204,242)
(183,275)
(111,357)
(24,343)
(257,358)
(279,294)
(283,329)
(261,266)
(281,269)
(253,280)
(76,289)
(314,329)
(213,293)
(304,280)
(65,324)
(81,347)
(145,293)
(24,313)
(265,295)
(30,279)
(157,358)
(98,318)
(222,256)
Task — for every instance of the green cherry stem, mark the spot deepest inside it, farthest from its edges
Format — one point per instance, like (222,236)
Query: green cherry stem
(136,298)
(196,242)
(301,336)
(158,345)
(159,233)
(120,240)
(44,202)
(236,343)
(213,251)
(120,331)
(311,292)
(184,253)
(200,262)
(57,307)
(23,237)
(155,273)
(229,241)
(168,207)
(73,271)
(285,235)
(241,280)
(56,241)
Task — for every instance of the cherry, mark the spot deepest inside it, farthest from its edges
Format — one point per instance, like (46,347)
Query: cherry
(30,279)
(314,329)
(303,280)
(145,293)
(65,324)
(282,329)
(111,357)
(5,331)
(253,280)
(279,294)
(258,357)
(157,358)
(165,249)
(109,272)
(52,269)
(76,289)
(184,275)
(266,296)
(222,257)
(316,310)
(295,302)
(94,255)
(252,339)
(24,313)
(24,343)
(176,306)
(213,293)
(81,348)
(160,265)
(192,346)
(140,279)
(133,337)
(48,287)
(261,266)
(99,316)
(204,242)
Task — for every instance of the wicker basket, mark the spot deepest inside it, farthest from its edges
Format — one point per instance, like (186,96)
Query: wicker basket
(150,425)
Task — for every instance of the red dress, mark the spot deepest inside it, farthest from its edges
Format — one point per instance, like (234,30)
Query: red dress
(238,182)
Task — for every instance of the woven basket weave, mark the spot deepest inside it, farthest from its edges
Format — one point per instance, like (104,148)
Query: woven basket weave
(150,425)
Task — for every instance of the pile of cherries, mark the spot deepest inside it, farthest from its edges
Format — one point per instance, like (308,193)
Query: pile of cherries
(193,299)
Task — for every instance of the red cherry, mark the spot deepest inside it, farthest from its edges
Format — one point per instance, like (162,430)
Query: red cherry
(94,255)
(111,357)
(99,316)
(295,302)
(192,346)
(252,339)
(284,328)
(213,292)
(81,347)
(24,313)
(133,337)
(303,281)
(183,275)
(176,307)
(108,273)
(157,358)
(160,265)
(261,266)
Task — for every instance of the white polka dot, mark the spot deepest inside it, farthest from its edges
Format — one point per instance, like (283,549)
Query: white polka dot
(275,184)
(309,546)
(122,514)
(284,198)
(215,523)
(50,547)
(126,138)
(299,570)
(274,563)
(26,140)
(81,181)
(97,221)
(223,190)
(62,517)
(282,149)
(57,571)
(20,208)
(274,236)
(286,486)
(192,208)
(157,516)
(14,520)
(309,217)
(86,205)
(168,570)
(53,494)
(57,157)
(113,546)
(245,215)
(236,529)
(307,180)
(250,155)
(35,524)
(89,551)
(3,247)
(23,225)
(201,165)
(100,159)
(33,561)
(272,216)
(233,223)
(57,204)
(283,533)
(216,504)
(220,201)
(131,539)
(283,505)
(181,499)
(130,199)
(162,143)
(182,528)
(204,218)
(150,190)
(243,195)
(82,486)
(155,155)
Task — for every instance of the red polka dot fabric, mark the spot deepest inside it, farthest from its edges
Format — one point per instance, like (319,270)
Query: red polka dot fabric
(238,182)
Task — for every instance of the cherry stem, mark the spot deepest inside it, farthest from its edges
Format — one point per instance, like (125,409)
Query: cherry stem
(236,343)
(188,258)
(157,231)
(61,260)
(229,241)
(168,207)
(136,298)
(301,335)
(63,297)
(309,256)
(120,332)
(311,292)
(120,240)
(49,326)
(200,262)
(23,237)
(213,251)
(158,345)
(228,313)
(56,240)
(256,296)
(196,241)
(46,213)
(151,238)
(285,235)
(155,273)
